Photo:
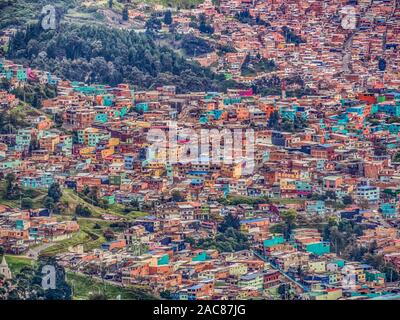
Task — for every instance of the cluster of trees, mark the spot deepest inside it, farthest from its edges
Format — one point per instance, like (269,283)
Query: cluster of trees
(290,36)
(27,284)
(245,17)
(33,93)
(10,122)
(153,24)
(258,64)
(331,195)
(194,46)
(284,124)
(18,13)
(91,195)
(176,196)
(380,149)
(235,200)
(289,221)
(341,234)
(286,291)
(82,211)
(97,54)
(273,86)
(52,200)
(12,189)
(203,25)
(14,192)
(228,239)
(369,256)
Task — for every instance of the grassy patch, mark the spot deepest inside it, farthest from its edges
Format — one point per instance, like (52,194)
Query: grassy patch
(90,236)
(72,199)
(16,263)
(84,286)
(37,197)
(287,201)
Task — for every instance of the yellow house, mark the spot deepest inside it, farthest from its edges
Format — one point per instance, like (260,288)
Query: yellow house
(107,152)
(330,294)
(238,269)
(86,151)
(287,184)
(112,142)
(317,266)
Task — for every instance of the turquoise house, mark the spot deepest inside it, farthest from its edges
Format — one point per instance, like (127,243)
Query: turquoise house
(22,75)
(23,138)
(388,210)
(163,260)
(44,180)
(101,117)
(318,248)
(273,241)
(201,256)
(316,207)
(9,164)
(108,100)
(142,107)
(230,101)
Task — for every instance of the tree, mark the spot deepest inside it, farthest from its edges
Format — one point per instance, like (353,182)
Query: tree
(289,219)
(168,17)
(96,226)
(230,221)
(125,14)
(12,188)
(153,24)
(48,203)
(98,296)
(380,149)
(396,158)
(273,121)
(204,27)
(347,200)
(382,64)
(195,46)
(166,295)
(110,4)
(2,251)
(26,203)
(285,291)
(55,192)
(290,36)
(83,53)
(364,204)
(177,196)
(82,211)
(27,284)
(109,234)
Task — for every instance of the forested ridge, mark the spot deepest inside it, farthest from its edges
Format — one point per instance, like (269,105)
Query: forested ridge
(98,54)
(19,12)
